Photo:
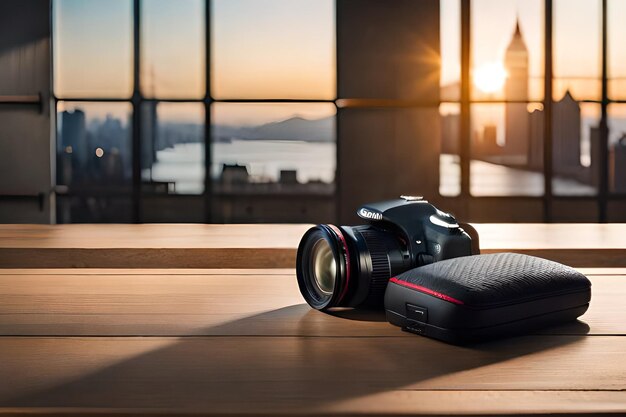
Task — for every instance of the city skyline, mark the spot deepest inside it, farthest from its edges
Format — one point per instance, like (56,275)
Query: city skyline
(172,153)
(513,139)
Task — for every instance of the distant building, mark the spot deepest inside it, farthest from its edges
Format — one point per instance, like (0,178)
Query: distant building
(618,166)
(234,174)
(535,140)
(566,133)
(74,136)
(113,165)
(149,133)
(516,89)
(450,134)
(288,176)
(111,134)
(485,143)
(592,176)
(489,143)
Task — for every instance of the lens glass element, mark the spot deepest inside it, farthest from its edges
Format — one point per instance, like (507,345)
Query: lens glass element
(324,267)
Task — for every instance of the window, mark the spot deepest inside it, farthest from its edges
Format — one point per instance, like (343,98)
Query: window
(273,148)
(172,148)
(577,77)
(267,98)
(160,120)
(276,136)
(93,48)
(507,74)
(506,106)
(577,70)
(94,162)
(273,49)
(172,49)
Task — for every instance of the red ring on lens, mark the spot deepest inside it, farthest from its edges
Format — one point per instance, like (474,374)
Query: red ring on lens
(347,259)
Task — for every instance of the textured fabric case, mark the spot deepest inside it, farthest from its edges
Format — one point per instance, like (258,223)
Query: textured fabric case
(480,296)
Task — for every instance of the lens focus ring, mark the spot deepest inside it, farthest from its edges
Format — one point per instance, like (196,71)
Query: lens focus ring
(378,245)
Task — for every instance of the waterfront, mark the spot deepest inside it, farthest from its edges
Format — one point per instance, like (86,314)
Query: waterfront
(184,165)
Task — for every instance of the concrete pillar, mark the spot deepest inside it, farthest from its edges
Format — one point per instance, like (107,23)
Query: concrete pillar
(388,144)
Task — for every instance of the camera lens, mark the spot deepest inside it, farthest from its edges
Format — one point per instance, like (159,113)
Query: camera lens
(324,267)
(348,266)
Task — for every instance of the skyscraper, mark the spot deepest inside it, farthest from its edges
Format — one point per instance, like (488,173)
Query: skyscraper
(516,89)
(566,133)
(74,135)
(617,165)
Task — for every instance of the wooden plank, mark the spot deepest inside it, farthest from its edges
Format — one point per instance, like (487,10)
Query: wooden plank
(168,271)
(251,375)
(409,402)
(267,246)
(614,272)
(149,246)
(139,236)
(574,257)
(578,245)
(147,258)
(395,402)
(120,304)
(221,271)
(551,235)
(111,303)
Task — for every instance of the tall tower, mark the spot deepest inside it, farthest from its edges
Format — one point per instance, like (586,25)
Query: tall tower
(516,88)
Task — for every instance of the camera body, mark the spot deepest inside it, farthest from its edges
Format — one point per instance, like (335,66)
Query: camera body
(431,234)
(350,266)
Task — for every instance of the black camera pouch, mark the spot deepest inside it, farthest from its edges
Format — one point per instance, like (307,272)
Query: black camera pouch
(477,297)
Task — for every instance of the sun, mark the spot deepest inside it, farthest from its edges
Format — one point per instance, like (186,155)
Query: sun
(490,77)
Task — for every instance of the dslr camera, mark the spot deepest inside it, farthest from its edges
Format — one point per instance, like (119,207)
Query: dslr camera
(349,266)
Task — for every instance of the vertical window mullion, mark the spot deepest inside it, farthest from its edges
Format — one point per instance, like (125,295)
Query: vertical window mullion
(547,106)
(136,103)
(208,140)
(465,121)
(604,131)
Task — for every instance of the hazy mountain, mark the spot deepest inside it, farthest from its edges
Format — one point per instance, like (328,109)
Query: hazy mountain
(295,128)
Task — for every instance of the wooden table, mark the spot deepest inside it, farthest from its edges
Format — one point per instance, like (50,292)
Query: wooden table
(176,340)
(267,246)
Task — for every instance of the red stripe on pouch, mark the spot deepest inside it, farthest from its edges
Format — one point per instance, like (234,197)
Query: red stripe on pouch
(425,290)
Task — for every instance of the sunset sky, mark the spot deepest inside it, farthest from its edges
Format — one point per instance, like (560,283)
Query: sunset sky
(273,49)
(286,48)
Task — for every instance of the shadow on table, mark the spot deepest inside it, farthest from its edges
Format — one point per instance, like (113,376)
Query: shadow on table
(357,314)
(226,372)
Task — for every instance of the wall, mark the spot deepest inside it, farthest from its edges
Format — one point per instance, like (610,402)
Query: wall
(25,163)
